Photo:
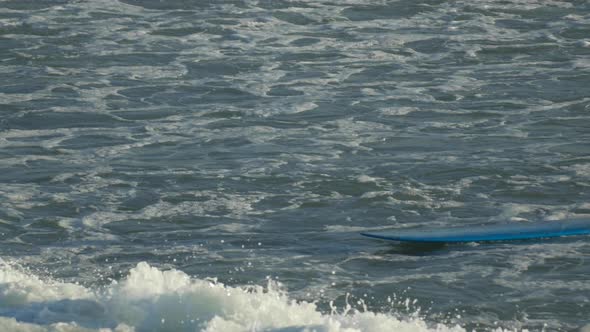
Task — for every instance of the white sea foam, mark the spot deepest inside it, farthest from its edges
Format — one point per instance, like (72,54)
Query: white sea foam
(366,179)
(233,206)
(375,194)
(149,299)
(396,111)
(532,212)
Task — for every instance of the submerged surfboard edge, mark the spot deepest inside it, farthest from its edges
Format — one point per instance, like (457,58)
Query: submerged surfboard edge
(485,233)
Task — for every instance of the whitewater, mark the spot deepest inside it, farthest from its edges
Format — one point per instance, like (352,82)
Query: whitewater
(209,165)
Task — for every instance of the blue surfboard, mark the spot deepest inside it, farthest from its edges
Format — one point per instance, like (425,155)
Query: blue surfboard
(492,232)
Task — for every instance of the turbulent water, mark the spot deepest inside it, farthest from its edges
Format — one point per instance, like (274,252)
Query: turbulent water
(189,165)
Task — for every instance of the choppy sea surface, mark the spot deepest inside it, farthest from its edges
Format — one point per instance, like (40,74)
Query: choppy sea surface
(207,165)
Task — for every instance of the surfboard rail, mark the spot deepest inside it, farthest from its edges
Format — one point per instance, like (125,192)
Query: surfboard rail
(487,232)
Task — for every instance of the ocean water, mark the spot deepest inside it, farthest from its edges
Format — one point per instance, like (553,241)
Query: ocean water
(208,165)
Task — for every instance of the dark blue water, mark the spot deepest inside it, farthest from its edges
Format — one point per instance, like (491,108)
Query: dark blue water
(208,165)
